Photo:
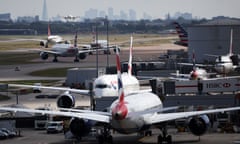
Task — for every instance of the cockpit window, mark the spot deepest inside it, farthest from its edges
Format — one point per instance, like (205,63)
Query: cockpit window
(101,86)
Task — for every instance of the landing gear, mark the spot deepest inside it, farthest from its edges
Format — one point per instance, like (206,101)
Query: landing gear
(76,59)
(105,136)
(55,59)
(164,137)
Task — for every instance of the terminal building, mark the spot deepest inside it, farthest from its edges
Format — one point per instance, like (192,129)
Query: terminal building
(213,38)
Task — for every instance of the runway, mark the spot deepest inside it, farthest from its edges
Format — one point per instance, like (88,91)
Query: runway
(147,53)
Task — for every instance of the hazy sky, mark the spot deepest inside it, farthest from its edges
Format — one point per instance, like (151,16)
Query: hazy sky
(155,8)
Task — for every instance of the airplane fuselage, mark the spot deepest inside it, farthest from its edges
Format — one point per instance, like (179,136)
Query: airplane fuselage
(55,39)
(107,85)
(136,103)
(65,50)
(224,65)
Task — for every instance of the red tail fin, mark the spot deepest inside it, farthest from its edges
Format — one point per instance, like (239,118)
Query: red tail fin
(49,30)
(119,76)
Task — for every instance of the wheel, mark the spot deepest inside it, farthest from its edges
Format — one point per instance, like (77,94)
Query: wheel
(110,139)
(160,139)
(169,139)
(55,60)
(76,60)
(100,139)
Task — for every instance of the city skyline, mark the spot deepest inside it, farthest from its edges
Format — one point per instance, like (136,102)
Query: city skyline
(151,8)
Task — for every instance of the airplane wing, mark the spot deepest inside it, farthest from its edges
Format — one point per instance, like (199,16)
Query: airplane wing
(46,51)
(90,116)
(163,117)
(83,92)
(19,40)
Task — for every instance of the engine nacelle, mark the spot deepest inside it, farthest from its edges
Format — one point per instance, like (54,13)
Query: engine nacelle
(82,55)
(44,55)
(199,125)
(235,59)
(66,100)
(44,44)
(80,127)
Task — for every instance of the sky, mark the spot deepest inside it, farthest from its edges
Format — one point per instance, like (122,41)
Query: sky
(154,8)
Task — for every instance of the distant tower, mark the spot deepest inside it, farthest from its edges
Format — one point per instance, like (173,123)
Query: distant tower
(44,12)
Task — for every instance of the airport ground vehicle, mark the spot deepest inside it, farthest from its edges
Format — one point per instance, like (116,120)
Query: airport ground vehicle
(54,126)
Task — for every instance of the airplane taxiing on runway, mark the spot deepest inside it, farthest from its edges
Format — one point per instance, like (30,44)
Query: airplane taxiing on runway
(103,86)
(131,113)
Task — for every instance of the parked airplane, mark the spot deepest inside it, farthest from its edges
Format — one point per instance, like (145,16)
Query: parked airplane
(226,63)
(183,35)
(131,114)
(197,73)
(99,44)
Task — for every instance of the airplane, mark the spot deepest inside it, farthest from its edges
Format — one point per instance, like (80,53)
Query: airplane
(197,73)
(183,35)
(103,86)
(70,17)
(51,39)
(106,85)
(99,44)
(131,113)
(226,63)
(54,39)
(64,50)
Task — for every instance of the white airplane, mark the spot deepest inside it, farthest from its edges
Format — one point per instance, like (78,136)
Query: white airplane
(196,74)
(70,17)
(131,114)
(99,44)
(53,39)
(226,63)
(64,50)
(104,86)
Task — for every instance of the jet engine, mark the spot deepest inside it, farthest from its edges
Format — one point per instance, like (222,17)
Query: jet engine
(44,44)
(199,125)
(235,60)
(44,55)
(82,55)
(80,127)
(66,100)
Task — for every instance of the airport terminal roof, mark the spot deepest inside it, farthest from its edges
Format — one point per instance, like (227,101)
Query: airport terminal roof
(221,22)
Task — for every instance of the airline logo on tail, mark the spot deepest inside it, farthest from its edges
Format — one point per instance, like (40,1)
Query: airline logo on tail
(120,111)
(183,35)
(119,75)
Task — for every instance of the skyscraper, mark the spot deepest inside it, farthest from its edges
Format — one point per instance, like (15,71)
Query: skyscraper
(44,12)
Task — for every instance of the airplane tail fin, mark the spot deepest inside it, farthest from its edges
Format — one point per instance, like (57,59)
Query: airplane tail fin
(130,57)
(49,30)
(231,43)
(119,77)
(194,59)
(75,39)
(182,33)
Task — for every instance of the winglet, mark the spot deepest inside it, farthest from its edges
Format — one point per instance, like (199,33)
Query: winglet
(119,76)
(130,57)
